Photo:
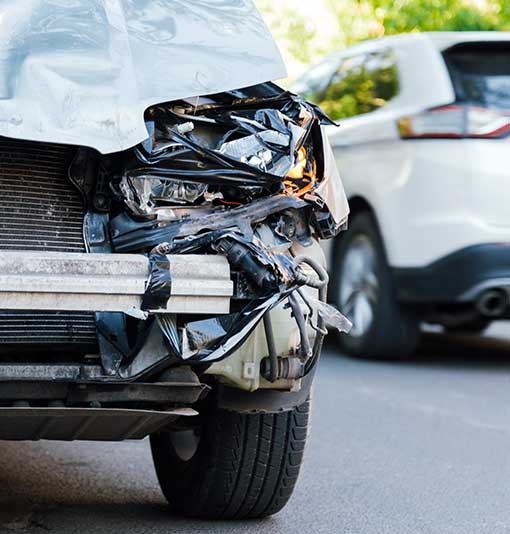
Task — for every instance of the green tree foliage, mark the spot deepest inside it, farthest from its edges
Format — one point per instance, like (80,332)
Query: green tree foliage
(306,33)
(397,16)
(304,39)
(291,30)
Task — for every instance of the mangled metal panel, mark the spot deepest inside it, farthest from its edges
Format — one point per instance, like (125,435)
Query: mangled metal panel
(84,71)
(243,175)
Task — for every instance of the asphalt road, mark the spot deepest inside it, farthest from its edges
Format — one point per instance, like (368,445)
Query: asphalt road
(415,447)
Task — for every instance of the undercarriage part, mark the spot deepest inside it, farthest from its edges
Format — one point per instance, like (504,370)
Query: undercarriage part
(264,400)
(41,210)
(164,393)
(177,385)
(92,424)
(107,282)
(48,372)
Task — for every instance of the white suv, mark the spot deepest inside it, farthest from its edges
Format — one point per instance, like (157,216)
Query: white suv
(424,151)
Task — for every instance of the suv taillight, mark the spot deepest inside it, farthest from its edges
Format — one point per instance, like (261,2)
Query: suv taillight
(455,122)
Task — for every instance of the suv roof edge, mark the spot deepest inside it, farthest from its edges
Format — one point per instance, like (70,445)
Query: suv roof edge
(440,40)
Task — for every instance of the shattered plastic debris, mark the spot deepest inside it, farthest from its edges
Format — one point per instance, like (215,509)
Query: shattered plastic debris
(237,174)
(254,150)
(331,316)
(243,329)
(213,339)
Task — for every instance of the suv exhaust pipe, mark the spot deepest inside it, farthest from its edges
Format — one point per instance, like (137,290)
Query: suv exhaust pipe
(492,303)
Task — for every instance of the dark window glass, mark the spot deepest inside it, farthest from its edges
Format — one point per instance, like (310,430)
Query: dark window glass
(312,84)
(481,73)
(360,84)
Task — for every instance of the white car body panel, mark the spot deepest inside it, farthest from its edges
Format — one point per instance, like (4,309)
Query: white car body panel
(84,72)
(430,197)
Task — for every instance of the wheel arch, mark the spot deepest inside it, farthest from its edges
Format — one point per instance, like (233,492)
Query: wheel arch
(393,332)
(357,204)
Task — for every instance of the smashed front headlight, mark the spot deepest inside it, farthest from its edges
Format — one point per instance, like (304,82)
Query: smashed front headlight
(224,156)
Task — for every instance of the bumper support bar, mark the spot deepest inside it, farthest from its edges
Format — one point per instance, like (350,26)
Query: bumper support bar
(110,282)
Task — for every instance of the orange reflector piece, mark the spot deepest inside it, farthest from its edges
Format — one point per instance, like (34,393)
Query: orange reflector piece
(298,170)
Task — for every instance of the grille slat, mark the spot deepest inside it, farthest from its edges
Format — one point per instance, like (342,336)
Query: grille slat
(40,209)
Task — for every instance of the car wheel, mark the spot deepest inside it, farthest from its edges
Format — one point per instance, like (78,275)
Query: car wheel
(233,465)
(363,290)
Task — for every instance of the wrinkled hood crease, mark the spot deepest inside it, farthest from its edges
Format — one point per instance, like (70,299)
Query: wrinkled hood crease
(84,71)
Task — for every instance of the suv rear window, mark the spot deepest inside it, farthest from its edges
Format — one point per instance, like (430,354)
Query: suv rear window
(481,73)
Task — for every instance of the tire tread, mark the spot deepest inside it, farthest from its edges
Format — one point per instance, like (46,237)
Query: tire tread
(251,468)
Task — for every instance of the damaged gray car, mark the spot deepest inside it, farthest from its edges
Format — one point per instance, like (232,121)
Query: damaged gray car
(161,204)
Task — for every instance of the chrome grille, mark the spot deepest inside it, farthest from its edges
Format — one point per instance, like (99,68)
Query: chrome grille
(40,209)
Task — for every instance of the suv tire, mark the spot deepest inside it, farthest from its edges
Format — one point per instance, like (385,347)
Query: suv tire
(382,328)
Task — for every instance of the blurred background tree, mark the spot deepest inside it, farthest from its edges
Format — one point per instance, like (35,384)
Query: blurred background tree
(306,30)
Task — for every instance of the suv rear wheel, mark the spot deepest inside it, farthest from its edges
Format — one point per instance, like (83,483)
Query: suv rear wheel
(363,289)
(233,465)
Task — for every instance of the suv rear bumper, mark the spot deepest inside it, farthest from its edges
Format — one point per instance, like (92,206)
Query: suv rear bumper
(458,277)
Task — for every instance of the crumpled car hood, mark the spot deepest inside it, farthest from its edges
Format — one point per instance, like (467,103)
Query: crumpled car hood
(84,71)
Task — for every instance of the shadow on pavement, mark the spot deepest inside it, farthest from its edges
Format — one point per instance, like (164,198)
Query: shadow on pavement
(87,487)
(489,351)
(108,518)
(466,351)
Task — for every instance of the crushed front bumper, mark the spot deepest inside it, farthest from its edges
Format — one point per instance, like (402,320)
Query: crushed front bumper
(198,284)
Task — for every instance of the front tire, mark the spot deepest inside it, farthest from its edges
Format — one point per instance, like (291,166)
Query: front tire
(363,289)
(243,466)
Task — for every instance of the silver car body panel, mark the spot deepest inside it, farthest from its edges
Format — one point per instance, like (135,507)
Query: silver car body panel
(84,71)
